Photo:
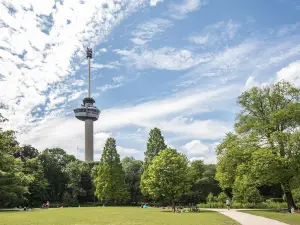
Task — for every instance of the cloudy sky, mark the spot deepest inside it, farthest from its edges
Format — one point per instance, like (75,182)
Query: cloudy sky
(175,64)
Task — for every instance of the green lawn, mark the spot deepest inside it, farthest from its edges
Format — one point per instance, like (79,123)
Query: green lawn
(292,219)
(111,216)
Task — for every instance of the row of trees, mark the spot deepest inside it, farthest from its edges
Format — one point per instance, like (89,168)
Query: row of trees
(30,177)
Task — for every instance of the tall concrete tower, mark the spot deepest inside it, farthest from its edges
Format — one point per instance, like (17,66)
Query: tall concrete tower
(88,113)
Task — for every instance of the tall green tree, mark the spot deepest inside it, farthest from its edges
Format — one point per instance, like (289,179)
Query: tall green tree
(155,144)
(110,177)
(54,162)
(38,186)
(80,186)
(196,170)
(74,172)
(133,170)
(265,146)
(167,176)
(13,182)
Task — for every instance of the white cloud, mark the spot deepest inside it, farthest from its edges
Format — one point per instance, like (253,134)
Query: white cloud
(291,73)
(207,160)
(195,147)
(250,83)
(199,39)
(111,65)
(164,58)
(130,152)
(216,34)
(180,10)
(287,29)
(118,81)
(100,51)
(196,150)
(145,32)
(155,2)
(162,113)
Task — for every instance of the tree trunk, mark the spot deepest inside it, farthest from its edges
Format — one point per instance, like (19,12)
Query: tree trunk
(289,197)
(173,206)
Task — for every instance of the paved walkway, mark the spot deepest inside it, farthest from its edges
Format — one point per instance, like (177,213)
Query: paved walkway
(247,219)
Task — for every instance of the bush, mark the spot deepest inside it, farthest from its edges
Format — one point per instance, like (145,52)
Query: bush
(239,205)
(275,200)
(210,198)
(222,197)
(296,195)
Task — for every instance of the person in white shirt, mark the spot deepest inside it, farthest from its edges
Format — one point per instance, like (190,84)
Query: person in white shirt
(228,203)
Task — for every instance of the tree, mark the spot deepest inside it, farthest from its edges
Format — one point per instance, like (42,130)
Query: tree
(195,195)
(13,182)
(110,177)
(26,152)
(155,144)
(37,190)
(208,182)
(133,171)
(54,162)
(244,191)
(86,182)
(74,172)
(265,146)
(167,176)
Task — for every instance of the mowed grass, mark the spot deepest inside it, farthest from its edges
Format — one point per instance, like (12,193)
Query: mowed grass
(292,219)
(111,216)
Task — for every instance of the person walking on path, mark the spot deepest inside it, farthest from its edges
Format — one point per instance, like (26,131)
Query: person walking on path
(228,203)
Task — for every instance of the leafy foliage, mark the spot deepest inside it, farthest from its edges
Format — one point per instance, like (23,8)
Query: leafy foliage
(133,170)
(13,182)
(265,148)
(167,176)
(110,177)
(54,161)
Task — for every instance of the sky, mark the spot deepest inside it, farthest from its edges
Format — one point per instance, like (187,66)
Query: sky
(178,65)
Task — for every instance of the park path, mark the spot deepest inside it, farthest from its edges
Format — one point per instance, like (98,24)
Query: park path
(247,219)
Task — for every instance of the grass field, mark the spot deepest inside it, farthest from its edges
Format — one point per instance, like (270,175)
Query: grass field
(292,219)
(111,216)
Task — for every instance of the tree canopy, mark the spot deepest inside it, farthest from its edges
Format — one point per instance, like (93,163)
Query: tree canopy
(110,177)
(167,176)
(264,148)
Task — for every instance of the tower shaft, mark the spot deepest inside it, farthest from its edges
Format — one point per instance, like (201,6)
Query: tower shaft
(89,140)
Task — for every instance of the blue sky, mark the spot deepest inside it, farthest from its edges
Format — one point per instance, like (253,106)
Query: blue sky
(178,65)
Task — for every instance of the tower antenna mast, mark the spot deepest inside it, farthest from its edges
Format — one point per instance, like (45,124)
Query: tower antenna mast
(89,56)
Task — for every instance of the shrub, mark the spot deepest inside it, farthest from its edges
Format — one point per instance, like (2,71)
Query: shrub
(222,197)
(296,195)
(210,198)
(240,205)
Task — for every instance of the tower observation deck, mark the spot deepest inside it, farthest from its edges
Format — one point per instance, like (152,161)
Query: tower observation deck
(88,113)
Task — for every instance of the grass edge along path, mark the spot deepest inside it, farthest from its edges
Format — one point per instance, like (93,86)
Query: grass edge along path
(112,216)
(292,219)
